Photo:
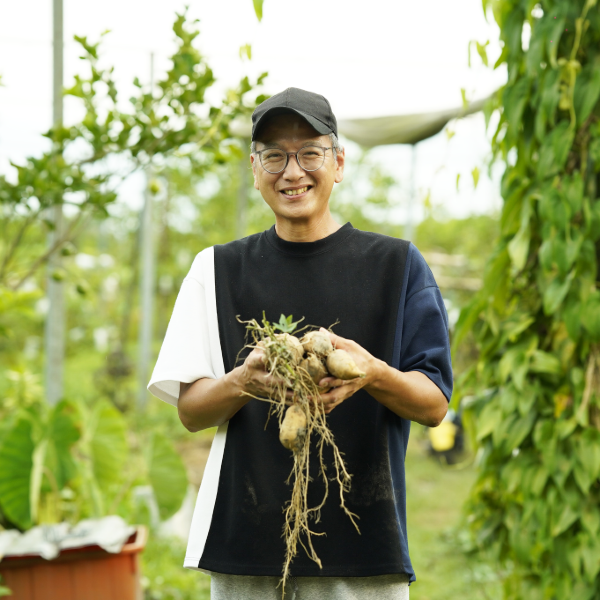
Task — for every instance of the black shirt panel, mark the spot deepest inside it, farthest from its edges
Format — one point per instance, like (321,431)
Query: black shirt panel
(352,276)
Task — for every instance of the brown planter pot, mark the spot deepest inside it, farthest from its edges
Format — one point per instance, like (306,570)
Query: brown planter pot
(86,573)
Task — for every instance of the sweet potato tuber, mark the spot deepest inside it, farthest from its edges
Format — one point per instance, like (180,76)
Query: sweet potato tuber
(341,365)
(293,428)
(294,345)
(317,342)
(315,368)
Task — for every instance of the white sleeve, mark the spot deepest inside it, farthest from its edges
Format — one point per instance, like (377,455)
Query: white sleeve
(188,353)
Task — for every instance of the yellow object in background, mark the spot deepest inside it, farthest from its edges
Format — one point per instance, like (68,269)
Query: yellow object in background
(442,437)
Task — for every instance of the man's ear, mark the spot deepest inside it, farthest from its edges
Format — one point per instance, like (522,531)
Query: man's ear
(253,162)
(339,167)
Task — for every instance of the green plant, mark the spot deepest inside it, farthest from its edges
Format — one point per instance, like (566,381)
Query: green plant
(4,591)
(163,578)
(535,405)
(71,461)
(170,123)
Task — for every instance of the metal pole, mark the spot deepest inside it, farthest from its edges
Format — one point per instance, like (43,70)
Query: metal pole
(55,318)
(242,204)
(147,279)
(409,226)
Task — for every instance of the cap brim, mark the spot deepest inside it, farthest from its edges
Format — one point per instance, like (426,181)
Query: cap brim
(317,125)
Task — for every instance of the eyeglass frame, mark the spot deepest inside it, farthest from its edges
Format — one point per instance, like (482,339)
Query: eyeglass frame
(287,158)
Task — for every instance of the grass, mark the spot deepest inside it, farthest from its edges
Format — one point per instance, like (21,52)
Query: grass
(163,575)
(435,495)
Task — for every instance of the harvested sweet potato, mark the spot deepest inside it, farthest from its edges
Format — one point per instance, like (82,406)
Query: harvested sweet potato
(317,342)
(315,367)
(293,428)
(341,365)
(293,343)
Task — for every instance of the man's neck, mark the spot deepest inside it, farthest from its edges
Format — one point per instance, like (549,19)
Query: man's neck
(306,231)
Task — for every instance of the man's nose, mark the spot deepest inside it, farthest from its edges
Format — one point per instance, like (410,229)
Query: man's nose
(293,170)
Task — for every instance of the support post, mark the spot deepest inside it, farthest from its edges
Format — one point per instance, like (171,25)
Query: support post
(55,318)
(409,226)
(147,282)
(242,203)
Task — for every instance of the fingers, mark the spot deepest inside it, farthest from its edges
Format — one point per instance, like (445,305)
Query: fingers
(333,382)
(256,359)
(338,341)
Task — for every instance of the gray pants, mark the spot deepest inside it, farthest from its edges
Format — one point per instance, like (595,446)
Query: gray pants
(244,587)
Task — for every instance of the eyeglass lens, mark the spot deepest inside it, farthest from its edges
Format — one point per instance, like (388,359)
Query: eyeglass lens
(310,158)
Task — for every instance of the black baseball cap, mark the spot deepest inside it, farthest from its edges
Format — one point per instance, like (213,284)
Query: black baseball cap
(313,108)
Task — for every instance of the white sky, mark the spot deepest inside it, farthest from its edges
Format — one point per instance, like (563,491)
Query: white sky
(373,58)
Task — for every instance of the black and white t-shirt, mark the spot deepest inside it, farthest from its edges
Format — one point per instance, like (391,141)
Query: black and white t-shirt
(385,298)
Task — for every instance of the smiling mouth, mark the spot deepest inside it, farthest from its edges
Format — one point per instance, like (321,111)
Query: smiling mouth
(297,191)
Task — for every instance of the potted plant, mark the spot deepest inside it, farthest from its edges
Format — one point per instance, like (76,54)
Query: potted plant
(69,462)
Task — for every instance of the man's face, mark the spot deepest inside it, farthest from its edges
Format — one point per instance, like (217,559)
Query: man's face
(290,133)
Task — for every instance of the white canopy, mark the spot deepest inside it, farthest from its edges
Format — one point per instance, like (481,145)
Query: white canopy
(403,129)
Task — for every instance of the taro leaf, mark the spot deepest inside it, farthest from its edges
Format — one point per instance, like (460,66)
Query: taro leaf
(16,463)
(108,445)
(63,433)
(167,476)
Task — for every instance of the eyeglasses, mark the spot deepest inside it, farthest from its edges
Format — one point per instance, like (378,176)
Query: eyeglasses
(310,158)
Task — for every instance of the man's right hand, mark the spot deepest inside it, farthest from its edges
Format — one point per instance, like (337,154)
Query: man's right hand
(254,378)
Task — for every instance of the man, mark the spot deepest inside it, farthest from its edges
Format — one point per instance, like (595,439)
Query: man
(392,321)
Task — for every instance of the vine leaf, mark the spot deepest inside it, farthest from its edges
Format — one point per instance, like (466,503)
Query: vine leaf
(258,8)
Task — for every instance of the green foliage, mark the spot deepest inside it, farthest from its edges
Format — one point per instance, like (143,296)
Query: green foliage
(170,122)
(4,591)
(533,394)
(258,8)
(70,461)
(166,474)
(163,578)
(286,324)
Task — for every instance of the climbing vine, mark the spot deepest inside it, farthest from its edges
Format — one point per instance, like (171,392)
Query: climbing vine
(532,398)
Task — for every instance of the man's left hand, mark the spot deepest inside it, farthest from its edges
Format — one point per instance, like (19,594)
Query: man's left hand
(342,389)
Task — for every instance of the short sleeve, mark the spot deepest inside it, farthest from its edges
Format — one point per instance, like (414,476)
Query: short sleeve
(185,354)
(425,338)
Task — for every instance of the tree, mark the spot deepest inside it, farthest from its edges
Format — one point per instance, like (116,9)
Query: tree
(170,122)
(535,388)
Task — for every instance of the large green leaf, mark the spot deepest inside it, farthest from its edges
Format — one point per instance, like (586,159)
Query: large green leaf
(16,463)
(64,430)
(167,475)
(108,445)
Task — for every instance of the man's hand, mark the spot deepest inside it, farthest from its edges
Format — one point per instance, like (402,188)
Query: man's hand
(342,389)
(254,377)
